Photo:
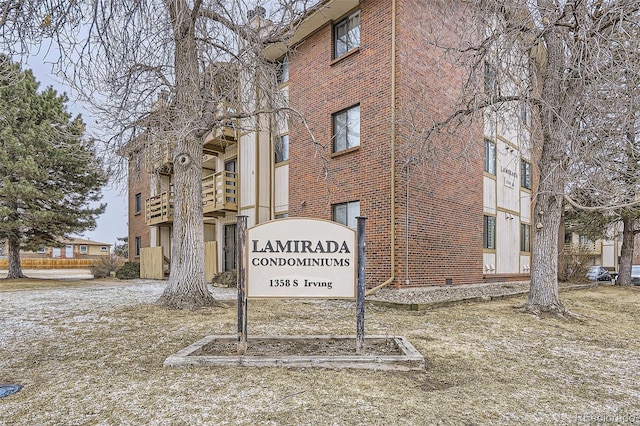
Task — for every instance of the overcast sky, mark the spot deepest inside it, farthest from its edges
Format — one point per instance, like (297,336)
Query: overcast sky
(113,222)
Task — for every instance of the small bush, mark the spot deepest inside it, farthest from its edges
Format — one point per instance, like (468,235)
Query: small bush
(106,265)
(129,271)
(573,265)
(225,279)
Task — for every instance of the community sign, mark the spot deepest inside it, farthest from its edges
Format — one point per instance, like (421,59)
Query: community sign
(301,258)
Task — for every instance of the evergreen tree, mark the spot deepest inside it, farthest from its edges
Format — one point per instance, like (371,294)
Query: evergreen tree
(49,175)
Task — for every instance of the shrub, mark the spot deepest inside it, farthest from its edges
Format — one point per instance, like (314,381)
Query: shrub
(573,264)
(129,271)
(105,266)
(225,279)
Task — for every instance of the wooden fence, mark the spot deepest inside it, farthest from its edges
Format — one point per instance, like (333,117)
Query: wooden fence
(154,265)
(43,263)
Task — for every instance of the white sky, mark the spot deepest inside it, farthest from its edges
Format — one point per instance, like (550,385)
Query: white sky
(113,222)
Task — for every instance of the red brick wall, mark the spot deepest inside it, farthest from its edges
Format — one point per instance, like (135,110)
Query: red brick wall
(319,88)
(445,235)
(138,184)
(446,186)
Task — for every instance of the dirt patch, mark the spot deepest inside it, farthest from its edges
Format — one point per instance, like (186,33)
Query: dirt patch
(308,347)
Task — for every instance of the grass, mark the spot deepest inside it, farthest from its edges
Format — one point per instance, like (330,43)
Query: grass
(486,364)
(40,283)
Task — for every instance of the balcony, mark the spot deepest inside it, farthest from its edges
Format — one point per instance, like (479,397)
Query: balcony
(159,209)
(219,194)
(586,248)
(159,158)
(218,140)
(223,135)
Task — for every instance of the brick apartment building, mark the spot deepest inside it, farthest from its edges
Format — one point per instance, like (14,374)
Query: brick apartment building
(364,78)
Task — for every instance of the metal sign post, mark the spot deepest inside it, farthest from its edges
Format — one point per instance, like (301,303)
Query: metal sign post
(242,294)
(361,282)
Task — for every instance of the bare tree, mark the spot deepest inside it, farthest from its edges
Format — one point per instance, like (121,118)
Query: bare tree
(160,71)
(603,192)
(546,57)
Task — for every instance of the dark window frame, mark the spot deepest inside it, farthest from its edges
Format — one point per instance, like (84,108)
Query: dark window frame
(525,237)
(348,206)
(281,149)
(489,232)
(138,203)
(342,130)
(282,72)
(351,37)
(525,174)
(490,156)
(138,246)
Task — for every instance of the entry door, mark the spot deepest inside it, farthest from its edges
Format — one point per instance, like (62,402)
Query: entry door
(68,252)
(229,251)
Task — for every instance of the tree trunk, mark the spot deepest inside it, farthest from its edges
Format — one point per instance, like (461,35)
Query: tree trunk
(15,269)
(626,251)
(187,287)
(554,117)
(543,295)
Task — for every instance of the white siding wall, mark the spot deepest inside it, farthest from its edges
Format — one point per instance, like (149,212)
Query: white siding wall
(246,167)
(281,196)
(489,195)
(508,177)
(507,243)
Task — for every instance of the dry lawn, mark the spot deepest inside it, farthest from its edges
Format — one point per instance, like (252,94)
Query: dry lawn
(91,355)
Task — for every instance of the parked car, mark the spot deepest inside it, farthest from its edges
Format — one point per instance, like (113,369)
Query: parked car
(599,273)
(635,274)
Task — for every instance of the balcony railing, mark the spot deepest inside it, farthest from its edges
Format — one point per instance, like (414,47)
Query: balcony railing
(158,158)
(590,248)
(159,209)
(219,195)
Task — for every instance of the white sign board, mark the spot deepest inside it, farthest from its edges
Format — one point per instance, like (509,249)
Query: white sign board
(301,258)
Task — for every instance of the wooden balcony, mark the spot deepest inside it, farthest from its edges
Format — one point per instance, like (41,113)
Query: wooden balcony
(219,139)
(589,248)
(219,194)
(159,209)
(158,158)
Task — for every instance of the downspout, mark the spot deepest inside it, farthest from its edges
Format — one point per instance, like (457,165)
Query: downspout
(393,154)
(257,162)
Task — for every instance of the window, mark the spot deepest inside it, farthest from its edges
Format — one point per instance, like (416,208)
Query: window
(346,213)
(103,248)
(489,235)
(346,35)
(489,156)
(282,215)
(282,149)
(584,240)
(490,80)
(138,162)
(138,246)
(525,114)
(525,174)
(84,249)
(282,72)
(346,129)
(138,203)
(40,250)
(525,237)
